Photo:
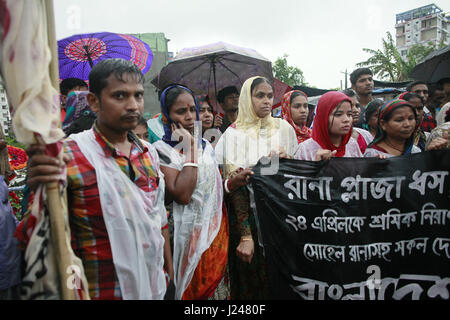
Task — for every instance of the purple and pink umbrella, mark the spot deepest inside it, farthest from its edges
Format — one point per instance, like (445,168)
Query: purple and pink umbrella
(79,53)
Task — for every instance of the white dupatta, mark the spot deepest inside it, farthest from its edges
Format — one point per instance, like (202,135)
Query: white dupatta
(252,138)
(133,221)
(196,224)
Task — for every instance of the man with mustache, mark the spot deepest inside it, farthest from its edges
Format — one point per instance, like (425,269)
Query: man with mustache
(362,82)
(115,192)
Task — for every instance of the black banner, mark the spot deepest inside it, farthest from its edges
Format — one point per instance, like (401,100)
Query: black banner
(356,228)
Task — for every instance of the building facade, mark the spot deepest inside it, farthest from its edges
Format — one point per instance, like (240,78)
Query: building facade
(158,43)
(424,25)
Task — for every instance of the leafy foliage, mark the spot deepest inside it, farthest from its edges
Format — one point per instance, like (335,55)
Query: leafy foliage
(290,75)
(13,142)
(388,64)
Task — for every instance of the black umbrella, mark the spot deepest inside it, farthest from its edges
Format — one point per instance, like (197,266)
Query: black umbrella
(213,67)
(434,67)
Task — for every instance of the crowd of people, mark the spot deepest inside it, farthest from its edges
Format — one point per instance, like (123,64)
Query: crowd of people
(187,173)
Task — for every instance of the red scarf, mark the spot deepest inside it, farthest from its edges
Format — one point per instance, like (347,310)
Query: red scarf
(303,133)
(320,131)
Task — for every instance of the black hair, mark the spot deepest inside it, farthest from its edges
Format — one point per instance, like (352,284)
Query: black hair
(142,121)
(297,94)
(410,95)
(257,82)
(81,124)
(202,99)
(355,75)
(373,107)
(68,84)
(415,83)
(338,107)
(349,92)
(432,89)
(225,92)
(172,94)
(102,70)
(208,101)
(443,81)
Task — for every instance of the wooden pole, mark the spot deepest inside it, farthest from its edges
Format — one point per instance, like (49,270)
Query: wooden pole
(52,44)
(57,202)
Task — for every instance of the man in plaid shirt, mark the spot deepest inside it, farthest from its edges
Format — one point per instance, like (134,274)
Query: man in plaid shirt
(116,95)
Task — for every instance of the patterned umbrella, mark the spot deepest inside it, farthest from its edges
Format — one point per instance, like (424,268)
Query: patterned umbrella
(78,54)
(212,67)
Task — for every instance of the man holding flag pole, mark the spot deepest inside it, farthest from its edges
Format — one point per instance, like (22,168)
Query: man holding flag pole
(115,189)
(31,76)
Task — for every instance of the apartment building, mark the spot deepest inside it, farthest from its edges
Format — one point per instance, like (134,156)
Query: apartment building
(424,25)
(158,43)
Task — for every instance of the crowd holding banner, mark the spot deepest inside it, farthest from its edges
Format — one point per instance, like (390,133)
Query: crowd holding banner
(346,200)
(326,227)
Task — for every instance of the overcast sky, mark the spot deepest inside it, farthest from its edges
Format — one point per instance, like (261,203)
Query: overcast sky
(322,37)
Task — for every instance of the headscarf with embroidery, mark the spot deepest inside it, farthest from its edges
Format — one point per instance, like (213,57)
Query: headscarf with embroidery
(385,111)
(320,132)
(303,133)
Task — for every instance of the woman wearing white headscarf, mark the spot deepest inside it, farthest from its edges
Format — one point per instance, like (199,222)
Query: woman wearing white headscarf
(254,135)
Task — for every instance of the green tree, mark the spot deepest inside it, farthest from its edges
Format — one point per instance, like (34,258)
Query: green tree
(387,63)
(415,55)
(290,75)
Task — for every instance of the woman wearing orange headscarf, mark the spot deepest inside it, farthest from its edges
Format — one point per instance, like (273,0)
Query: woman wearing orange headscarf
(294,109)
